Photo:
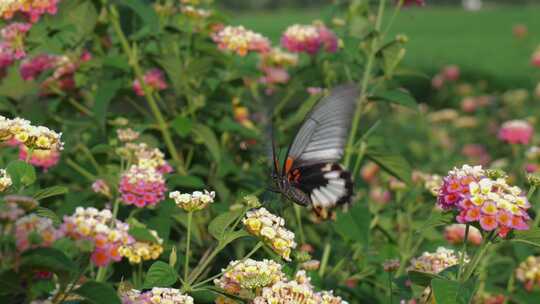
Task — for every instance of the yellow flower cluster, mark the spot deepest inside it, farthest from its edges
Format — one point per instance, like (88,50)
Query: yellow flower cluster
(244,277)
(33,137)
(436,262)
(271,229)
(5,180)
(278,57)
(528,272)
(143,155)
(241,40)
(195,12)
(193,202)
(139,251)
(298,291)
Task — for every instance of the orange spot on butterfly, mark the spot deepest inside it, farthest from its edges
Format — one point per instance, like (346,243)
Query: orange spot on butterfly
(288,164)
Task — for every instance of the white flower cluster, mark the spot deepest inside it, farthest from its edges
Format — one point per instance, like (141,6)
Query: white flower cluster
(271,229)
(91,222)
(34,137)
(156,296)
(127,134)
(467,170)
(193,202)
(435,262)
(243,277)
(5,180)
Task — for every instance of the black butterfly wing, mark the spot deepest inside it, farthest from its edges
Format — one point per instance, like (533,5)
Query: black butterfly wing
(323,135)
(311,165)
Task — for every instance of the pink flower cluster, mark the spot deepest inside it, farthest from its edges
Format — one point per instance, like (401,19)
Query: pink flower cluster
(516,132)
(240,40)
(310,39)
(10,212)
(535,58)
(411,2)
(477,198)
(33,231)
(455,234)
(12,43)
(449,73)
(142,186)
(40,158)
(154,79)
(63,70)
(107,233)
(33,9)
(471,104)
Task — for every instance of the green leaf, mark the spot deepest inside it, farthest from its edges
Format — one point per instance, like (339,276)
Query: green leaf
(354,224)
(436,219)
(397,96)
(98,293)
(452,292)
(10,283)
(148,16)
(49,192)
(13,86)
(219,225)
(160,274)
(206,136)
(48,213)
(182,125)
(233,235)
(50,259)
(21,173)
(530,237)
(142,234)
(421,278)
(393,163)
(106,91)
(392,56)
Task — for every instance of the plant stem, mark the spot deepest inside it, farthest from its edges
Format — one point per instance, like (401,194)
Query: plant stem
(82,171)
(362,99)
(463,251)
(133,60)
(199,269)
(477,257)
(298,213)
(325,257)
(102,271)
(188,244)
(390,287)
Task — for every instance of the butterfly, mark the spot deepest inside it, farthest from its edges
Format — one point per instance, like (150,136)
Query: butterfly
(311,175)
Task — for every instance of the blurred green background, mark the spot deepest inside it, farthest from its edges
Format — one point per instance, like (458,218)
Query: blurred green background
(442,32)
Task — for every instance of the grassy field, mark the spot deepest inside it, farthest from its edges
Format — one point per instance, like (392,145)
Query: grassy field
(480,42)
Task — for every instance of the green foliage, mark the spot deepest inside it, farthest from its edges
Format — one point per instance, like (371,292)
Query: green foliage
(97,292)
(160,274)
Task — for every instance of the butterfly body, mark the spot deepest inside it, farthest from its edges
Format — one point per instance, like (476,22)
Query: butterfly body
(311,175)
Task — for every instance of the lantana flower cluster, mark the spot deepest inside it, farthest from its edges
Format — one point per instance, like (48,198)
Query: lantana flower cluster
(195,12)
(12,43)
(127,134)
(10,212)
(33,231)
(490,202)
(271,229)
(274,66)
(143,155)
(516,132)
(435,262)
(99,226)
(40,158)
(156,295)
(34,9)
(193,202)
(528,272)
(139,251)
(241,40)
(243,278)
(33,137)
(142,186)
(300,291)
(5,180)
(154,79)
(309,39)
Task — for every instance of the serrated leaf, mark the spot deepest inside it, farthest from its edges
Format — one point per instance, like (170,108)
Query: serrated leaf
(98,293)
(393,163)
(160,274)
(392,56)
(206,136)
(354,224)
(48,213)
(149,16)
(142,234)
(421,278)
(530,237)
(182,125)
(49,192)
(452,292)
(437,219)
(397,96)
(219,225)
(50,259)
(21,173)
